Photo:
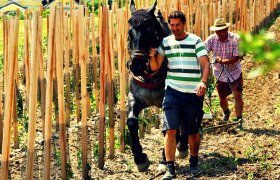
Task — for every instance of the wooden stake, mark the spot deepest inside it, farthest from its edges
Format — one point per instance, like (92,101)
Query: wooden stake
(9,100)
(224,9)
(230,15)
(86,51)
(49,96)
(60,88)
(6,29)
(214,13)
(1,122)
(94,56)
(66,69)
(149,119)
(77,68)
(41,71)
(157,121)
(206,20)
(15,118)
(26,60)
(236,15)
(102,89)
(191,17)
(32,95)
(121,66)
(109,83)
(83,66)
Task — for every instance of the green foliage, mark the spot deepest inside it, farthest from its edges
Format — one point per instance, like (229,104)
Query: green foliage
(79,156)
(250,176)
(265,51)
(89,5)
(70,173)
(257,154)
(13,14)
(96,152)
(57,156)
(252,153)
(46,12)
(1,62)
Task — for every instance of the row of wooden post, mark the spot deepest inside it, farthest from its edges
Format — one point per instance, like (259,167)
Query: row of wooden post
(65,34)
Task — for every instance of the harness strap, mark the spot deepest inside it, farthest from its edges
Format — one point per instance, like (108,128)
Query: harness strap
(139,54)
(148,85)
(152,80)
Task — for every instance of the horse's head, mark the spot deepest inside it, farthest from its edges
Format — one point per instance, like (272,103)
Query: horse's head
(145,32)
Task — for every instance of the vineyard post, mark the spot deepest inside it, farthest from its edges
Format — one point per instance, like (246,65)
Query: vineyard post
(60,89)
(66,68)
(230,14)
(121,68)
(49,96)
(206,20)
(109,62)
(83,75)
(103,16)
(149,118)
(1,115)
(77,66)
(26,60)
(87,59)
(236,15)
(41,72)
(157,121)
(33,95)
(14,107)
(94,56)
(9,89)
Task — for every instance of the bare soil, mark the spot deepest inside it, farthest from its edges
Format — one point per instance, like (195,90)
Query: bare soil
(225,153)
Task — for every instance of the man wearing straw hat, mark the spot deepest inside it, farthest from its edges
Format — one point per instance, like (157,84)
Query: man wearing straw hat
(226,66)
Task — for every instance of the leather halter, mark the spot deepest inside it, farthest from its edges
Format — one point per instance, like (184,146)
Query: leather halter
(139,54)
(152,80)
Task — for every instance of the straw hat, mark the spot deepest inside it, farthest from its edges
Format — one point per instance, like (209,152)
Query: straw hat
(219,24)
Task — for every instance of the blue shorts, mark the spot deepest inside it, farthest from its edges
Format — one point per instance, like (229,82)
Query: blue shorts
(182,110)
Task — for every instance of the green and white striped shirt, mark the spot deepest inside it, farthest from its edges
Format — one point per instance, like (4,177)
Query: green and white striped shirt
(184,70)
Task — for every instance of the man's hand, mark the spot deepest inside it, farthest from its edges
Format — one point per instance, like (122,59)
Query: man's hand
(201,89)
(218,59)
(152,51)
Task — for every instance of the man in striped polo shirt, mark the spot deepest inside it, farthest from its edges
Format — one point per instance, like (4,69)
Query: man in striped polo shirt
(186,83)
(224,47)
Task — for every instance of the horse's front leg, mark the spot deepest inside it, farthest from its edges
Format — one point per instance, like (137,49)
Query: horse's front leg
(140,158)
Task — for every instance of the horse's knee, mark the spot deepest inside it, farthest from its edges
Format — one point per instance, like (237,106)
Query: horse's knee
(132,123)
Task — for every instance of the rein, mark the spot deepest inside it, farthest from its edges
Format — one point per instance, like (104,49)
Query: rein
(140,54)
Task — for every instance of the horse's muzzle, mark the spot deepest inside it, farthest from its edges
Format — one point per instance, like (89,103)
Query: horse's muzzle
(137,67)
(139,62)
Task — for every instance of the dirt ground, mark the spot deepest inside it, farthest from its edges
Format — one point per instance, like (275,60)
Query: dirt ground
(225,153)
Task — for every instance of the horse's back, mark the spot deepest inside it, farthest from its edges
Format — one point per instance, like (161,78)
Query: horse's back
(146,96)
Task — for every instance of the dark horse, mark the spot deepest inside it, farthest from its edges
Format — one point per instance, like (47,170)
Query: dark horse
(146,86)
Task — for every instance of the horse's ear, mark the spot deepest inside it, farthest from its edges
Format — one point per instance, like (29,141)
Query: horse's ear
(153,8)
(132,6)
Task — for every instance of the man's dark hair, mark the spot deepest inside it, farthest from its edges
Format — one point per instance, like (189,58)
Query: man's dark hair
(176,15)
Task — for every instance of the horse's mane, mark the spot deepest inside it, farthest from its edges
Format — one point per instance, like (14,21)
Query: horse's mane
(140,18)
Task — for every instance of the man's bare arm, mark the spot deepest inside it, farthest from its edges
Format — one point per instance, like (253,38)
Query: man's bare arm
(156,59)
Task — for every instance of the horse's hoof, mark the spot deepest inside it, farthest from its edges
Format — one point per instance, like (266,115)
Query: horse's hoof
(161,167)
(181,154)
(143,166)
